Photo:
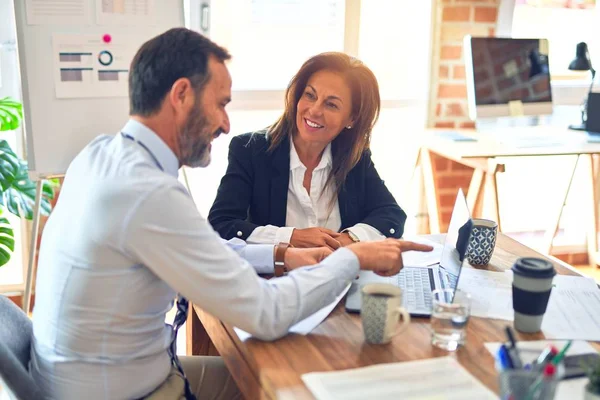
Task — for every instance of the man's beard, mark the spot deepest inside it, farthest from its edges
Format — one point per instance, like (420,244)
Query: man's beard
(194,141)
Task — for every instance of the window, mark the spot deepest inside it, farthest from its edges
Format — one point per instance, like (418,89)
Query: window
(564,23)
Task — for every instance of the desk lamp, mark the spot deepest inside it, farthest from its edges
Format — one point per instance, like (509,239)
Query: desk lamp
(582,62)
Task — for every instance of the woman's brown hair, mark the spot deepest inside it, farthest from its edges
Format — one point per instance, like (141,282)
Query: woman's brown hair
(348,147)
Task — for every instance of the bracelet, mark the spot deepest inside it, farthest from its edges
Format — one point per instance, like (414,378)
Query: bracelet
(280,268)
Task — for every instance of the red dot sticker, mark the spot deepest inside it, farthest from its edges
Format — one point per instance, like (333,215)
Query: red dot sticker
(106,38)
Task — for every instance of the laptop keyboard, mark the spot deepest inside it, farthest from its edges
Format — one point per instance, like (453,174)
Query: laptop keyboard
(416,288)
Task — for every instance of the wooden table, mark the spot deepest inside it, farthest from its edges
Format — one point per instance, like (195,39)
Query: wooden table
(273,369)
(484,156)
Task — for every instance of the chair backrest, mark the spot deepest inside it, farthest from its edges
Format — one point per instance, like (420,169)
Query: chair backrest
(15,343)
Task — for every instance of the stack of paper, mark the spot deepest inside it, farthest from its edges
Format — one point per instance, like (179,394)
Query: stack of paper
(437,378)
(529,351)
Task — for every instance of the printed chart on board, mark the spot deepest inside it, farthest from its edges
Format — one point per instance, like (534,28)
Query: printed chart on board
(125,12)
(92,65)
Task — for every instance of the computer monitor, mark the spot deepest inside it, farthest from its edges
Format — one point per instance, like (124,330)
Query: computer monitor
(507,77)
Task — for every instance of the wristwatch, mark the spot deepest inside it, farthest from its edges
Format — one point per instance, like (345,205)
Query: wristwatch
(354,238)
(280,268)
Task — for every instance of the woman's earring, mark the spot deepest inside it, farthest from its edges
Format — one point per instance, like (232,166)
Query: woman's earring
(349,127)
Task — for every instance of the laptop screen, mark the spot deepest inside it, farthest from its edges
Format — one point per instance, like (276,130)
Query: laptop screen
(457,238)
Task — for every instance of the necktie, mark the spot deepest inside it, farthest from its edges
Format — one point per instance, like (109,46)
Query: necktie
(180,317)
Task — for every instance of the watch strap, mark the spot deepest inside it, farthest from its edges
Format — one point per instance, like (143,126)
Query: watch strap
(352,235)
(280,268)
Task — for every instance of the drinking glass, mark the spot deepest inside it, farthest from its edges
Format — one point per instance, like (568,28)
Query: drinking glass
(449,317)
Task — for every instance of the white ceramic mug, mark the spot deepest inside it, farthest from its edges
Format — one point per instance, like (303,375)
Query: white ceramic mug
(380,312)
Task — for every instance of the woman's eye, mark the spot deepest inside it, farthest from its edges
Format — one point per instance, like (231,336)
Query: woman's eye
(309,95)
(332,105)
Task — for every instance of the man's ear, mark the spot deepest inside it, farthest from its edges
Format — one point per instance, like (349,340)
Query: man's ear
(182,95)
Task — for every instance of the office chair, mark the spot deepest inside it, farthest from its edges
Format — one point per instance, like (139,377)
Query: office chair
(15,342)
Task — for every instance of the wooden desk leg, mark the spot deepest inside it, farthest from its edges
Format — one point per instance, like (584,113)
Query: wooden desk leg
(551,232)
(492,184)
(198,341)
(592,236)
(431,197)
(475,193)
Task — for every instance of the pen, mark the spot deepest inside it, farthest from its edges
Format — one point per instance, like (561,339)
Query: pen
(545,357)
(513,352)
(504,358)
(558,358)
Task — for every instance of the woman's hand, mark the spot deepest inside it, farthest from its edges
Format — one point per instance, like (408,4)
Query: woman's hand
(315,237)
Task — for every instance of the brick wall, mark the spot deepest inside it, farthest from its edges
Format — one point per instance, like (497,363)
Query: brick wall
(448,106)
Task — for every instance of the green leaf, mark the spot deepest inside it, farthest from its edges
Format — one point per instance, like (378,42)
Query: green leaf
(11,114)
(18,191)
(7,241)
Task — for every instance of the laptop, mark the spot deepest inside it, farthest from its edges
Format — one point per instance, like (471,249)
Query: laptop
(417,283)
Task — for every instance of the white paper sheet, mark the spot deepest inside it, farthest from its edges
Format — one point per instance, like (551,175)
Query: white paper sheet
(491,293)
(528,351)
(437,378)
(125,12)
(422,259)
(573,310)
(58,12)
(309,323)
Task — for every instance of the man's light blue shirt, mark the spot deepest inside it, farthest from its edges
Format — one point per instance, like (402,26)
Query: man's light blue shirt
(123,240)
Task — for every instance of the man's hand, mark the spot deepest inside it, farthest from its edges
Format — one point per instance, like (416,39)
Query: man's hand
(315,237)
(295,258)
(384,257)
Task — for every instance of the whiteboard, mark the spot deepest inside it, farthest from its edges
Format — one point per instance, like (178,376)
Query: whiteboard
(59,120)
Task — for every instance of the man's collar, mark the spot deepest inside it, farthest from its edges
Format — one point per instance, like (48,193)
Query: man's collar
(159,149)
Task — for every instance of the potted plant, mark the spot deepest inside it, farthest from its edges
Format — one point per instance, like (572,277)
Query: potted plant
(592,389)
(17,191)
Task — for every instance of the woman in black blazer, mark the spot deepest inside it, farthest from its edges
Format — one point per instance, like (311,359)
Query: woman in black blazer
(309,180)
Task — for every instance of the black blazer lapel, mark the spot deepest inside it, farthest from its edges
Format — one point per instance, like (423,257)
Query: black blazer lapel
(280,177)
(347,203)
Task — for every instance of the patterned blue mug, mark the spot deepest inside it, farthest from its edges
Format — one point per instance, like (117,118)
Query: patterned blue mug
(482,242)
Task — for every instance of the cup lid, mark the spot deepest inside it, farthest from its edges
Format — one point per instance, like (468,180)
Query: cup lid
(534,267)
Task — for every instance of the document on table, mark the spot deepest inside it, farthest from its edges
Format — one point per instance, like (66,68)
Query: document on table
(440,378)
(491,293)
(419,258)
(529,351)
(309,323)
(572,311)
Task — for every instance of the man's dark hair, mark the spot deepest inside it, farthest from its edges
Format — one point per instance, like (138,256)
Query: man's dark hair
(177,53)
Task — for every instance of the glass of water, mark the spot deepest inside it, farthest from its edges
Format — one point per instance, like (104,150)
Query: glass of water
(449,317)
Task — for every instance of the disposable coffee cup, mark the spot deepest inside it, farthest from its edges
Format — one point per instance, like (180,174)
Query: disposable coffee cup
(532,284)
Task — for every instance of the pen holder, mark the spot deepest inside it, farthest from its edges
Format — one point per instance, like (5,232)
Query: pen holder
(519,384)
